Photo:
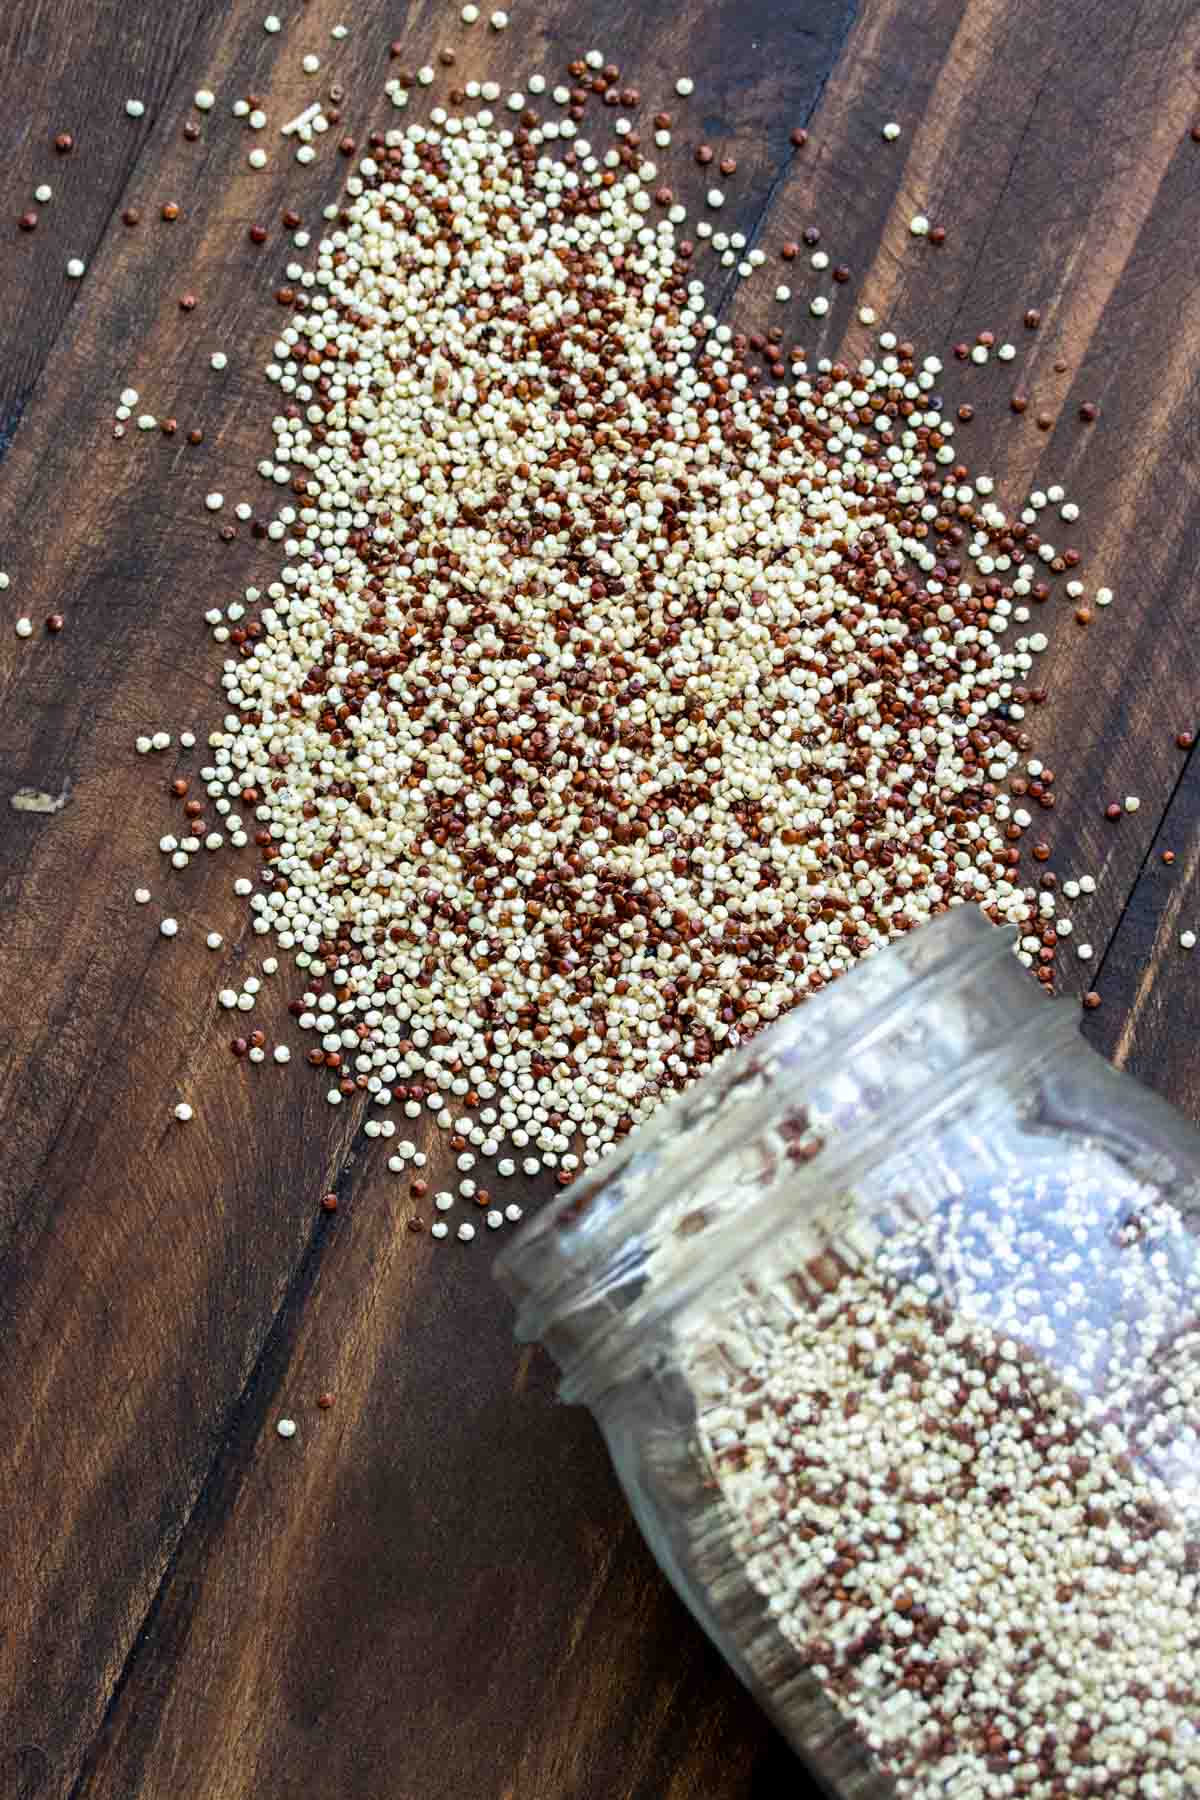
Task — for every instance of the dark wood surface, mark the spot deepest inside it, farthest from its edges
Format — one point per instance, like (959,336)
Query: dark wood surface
(435,1589)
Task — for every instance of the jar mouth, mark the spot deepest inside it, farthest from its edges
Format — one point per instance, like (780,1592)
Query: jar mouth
(595,1242)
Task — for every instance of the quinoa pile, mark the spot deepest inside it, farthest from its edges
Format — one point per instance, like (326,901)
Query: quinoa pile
(611,698)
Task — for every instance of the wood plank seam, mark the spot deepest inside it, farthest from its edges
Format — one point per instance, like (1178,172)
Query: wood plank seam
(256,1398)
(786,168)
(1144,864)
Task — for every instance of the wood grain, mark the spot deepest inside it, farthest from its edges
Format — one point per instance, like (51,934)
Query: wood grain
(436,1589)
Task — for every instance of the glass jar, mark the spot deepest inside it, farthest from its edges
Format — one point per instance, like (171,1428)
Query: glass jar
(892,1324)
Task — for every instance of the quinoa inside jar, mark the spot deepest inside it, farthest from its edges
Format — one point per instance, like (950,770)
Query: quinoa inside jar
(893,1326)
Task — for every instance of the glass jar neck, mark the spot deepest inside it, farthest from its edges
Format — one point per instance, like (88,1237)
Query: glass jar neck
(771,1133)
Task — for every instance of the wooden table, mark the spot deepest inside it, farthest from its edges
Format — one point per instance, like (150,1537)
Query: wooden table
(435,1590)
